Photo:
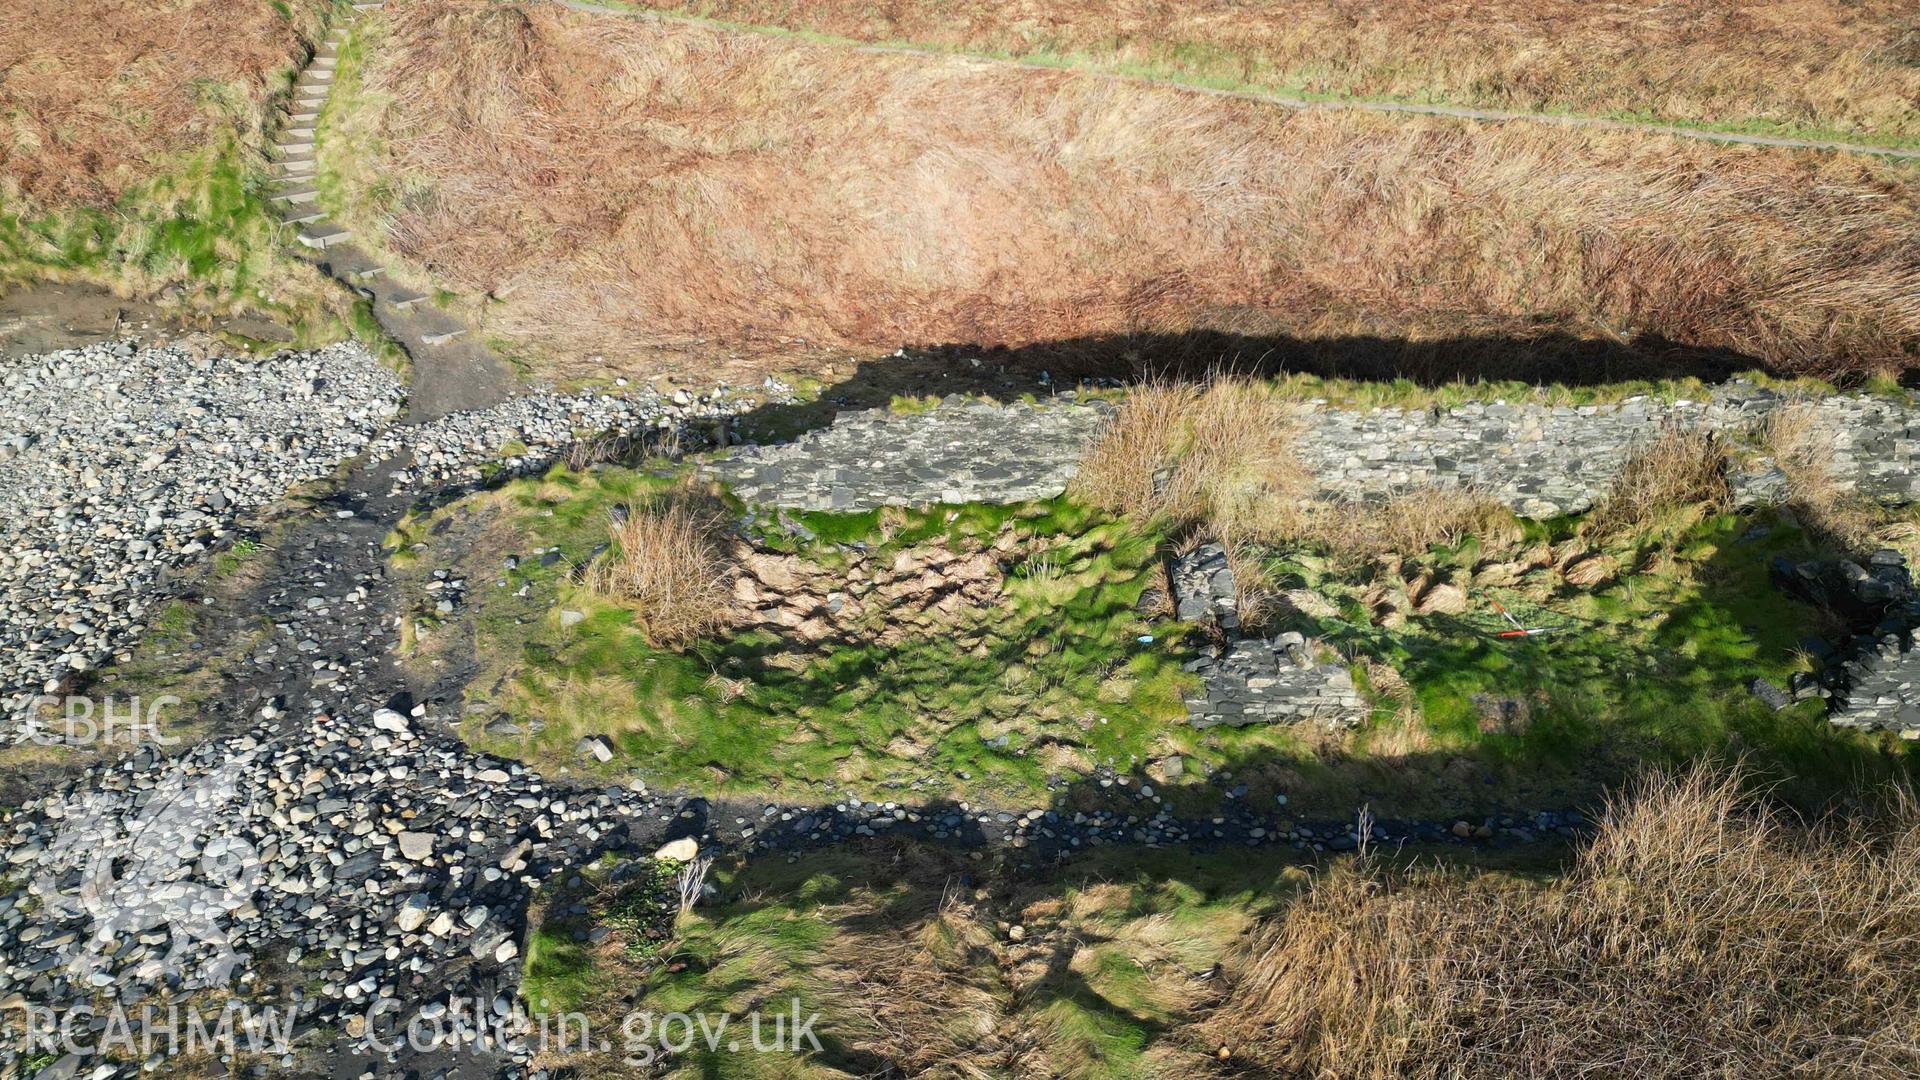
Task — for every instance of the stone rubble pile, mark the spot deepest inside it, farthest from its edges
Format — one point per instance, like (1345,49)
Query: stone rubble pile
(1251,680)
(378,861)
(463,448)
(1204,589)
(354,844)
(1872,680)
(117,462)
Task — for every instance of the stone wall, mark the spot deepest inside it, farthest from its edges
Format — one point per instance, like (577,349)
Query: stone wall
(1541,460)
(1544,460)
(1872,678)
(960,452)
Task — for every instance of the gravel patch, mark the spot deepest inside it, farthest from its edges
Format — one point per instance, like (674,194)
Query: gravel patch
(117,462)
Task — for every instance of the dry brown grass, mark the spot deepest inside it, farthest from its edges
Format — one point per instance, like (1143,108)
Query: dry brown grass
(1406,524)
(95,93)
(1802,448)
(1699,934)
(1219,459)
(627,187)
(1825,63)
(1235,467)
(668,564)
(1123,470)
(1218,455)
(1676,471)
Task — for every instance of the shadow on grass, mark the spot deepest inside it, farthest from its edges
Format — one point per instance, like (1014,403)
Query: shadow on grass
(1009,373)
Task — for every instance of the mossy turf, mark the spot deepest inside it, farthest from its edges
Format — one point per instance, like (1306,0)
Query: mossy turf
(565,969)
(1650,667)
(1068,683)
(910,956)
(1066,668)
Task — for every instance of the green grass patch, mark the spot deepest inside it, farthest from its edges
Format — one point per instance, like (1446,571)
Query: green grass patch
(203,223)
(1652,667)
(968,707)
(909,956)
(230,561)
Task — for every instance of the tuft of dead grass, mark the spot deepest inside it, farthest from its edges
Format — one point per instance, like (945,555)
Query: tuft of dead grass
(624,185)
(668,563)
(1219,454)
(1678,470)
(1803,449)
(1123,471)
(1407,523)
(1700,932)
(1218,459)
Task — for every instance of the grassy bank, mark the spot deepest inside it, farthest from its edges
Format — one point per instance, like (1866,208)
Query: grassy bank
(135,161)
(1828,70)
(623,185)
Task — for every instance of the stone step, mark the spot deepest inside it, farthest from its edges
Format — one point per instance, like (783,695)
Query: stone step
(370,5)
(360,271)
(323,235)
(441,337)
(302,130)
(406,300)
(302,213)
(294,170)
(309,106)
(296,145)
(316,75)
(310,116)
(323,62)
(297,193)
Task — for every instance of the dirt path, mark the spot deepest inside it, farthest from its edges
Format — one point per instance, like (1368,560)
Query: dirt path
(48,318)
(454,370)
(1288,101)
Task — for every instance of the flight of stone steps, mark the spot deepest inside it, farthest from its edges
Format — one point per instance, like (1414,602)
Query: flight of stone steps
(453,372)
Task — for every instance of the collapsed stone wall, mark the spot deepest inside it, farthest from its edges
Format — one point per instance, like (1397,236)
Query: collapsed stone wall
(1539,460)
(1872,679)
(1249,679)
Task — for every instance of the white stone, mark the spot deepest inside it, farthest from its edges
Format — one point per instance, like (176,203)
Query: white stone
(685,850)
